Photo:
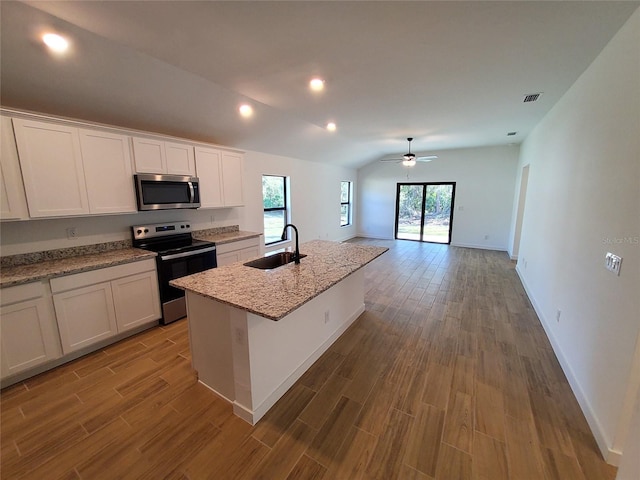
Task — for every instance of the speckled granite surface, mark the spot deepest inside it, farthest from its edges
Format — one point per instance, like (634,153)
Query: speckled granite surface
(45,269)
(224,237)
(60,253)
(275,293)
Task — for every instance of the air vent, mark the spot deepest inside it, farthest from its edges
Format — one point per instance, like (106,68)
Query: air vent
(532,97)
(511,134)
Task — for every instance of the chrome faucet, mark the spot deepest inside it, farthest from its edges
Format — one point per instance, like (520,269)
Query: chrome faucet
(296,256)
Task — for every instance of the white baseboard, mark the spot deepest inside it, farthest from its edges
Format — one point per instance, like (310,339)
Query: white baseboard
(253,416)
(610,455)
(499,248)
(373,237)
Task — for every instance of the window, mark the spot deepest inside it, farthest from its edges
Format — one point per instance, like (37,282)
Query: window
(345,203)
(274,200)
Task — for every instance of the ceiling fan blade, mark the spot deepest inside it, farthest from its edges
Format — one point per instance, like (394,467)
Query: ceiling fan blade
(391,159)
(427,158)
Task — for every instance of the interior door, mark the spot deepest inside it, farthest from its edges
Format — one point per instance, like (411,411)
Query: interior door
(424,211)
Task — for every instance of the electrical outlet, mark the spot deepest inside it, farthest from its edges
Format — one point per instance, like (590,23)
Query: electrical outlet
(558,313)
(72,232)
(486,237)
(613,263)
(326,317)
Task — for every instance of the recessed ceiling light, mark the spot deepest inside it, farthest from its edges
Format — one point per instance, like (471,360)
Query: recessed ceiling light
(55,42)
(331,127)
(316,84)
(246,110)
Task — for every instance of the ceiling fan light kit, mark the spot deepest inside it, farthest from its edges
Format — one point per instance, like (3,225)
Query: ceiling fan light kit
(409,159)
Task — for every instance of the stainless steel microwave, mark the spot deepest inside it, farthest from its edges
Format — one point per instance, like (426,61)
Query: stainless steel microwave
(165,192)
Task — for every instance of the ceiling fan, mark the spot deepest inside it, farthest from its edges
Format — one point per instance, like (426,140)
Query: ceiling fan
(409,159)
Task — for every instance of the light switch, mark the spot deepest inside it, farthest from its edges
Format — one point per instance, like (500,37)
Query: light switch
(613,263)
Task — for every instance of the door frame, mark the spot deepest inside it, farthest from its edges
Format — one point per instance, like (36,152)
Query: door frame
(424,196)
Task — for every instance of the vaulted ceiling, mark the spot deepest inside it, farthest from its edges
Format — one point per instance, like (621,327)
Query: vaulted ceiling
(450,74)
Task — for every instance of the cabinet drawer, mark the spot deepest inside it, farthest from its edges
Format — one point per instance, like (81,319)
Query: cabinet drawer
(20,293)
(238,245)
(92,277)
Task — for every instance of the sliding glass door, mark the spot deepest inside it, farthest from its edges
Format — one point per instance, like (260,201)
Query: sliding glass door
(424,211)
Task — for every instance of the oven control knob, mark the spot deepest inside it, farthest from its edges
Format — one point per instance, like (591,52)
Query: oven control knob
(138,231)
(188,226)
(181,226)
(146,230)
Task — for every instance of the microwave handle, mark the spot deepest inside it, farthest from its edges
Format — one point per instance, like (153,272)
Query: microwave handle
(192,192)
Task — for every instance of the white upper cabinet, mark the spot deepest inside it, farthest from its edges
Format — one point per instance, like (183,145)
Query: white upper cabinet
(180,159)
(108,172)
(157,156)
(52,168)
(13,203)
(210,177)
(221,178)
(232,179)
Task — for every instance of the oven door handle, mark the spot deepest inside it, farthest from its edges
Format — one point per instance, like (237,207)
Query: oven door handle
(187,254)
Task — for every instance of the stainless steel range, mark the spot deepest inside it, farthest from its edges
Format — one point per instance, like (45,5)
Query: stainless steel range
(179,254)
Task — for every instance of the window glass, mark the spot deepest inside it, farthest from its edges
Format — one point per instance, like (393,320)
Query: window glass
(274,201)
(345,203)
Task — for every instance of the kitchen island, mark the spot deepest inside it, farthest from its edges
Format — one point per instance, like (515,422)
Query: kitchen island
(254,332)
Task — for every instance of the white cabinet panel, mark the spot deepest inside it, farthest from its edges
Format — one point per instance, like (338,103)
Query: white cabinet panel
(221,177)
(85,316)
(28,332)
(157,156)
(180,159)
(13,203)
(232,179)
(241,250)
(136,300)
(210,176)
(227,258)
(52,168)
(108,172)
(149,155)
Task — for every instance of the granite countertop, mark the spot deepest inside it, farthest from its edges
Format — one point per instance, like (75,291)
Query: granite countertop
(226,237)
(20,274)
(275,293)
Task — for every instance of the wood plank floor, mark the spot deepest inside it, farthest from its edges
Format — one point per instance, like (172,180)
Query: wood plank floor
(448,375)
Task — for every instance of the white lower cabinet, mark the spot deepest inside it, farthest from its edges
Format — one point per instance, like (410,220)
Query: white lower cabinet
(93,306)
(136,300)
(232,252)
(85,316)
(28,330)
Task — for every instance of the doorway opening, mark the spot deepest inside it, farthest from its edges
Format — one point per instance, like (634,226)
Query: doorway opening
(424,211)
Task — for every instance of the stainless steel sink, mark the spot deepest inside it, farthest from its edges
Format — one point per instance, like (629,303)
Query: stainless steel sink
(272,261)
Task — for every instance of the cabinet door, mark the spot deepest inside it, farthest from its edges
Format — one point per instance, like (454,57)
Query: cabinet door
(136,300)
(85,316)
(13,203)
(209,173)
(28,335)
(108,172)
(149,155)
(180,160)
(232,179)
(227,258)
(51,168)
(249,253)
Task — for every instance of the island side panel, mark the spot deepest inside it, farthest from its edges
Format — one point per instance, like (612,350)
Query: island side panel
(210,339)
(278,353)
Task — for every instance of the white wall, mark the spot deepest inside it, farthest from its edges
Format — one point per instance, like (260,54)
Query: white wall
(314,191)
(485,183)
(315,194)
(583,200)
